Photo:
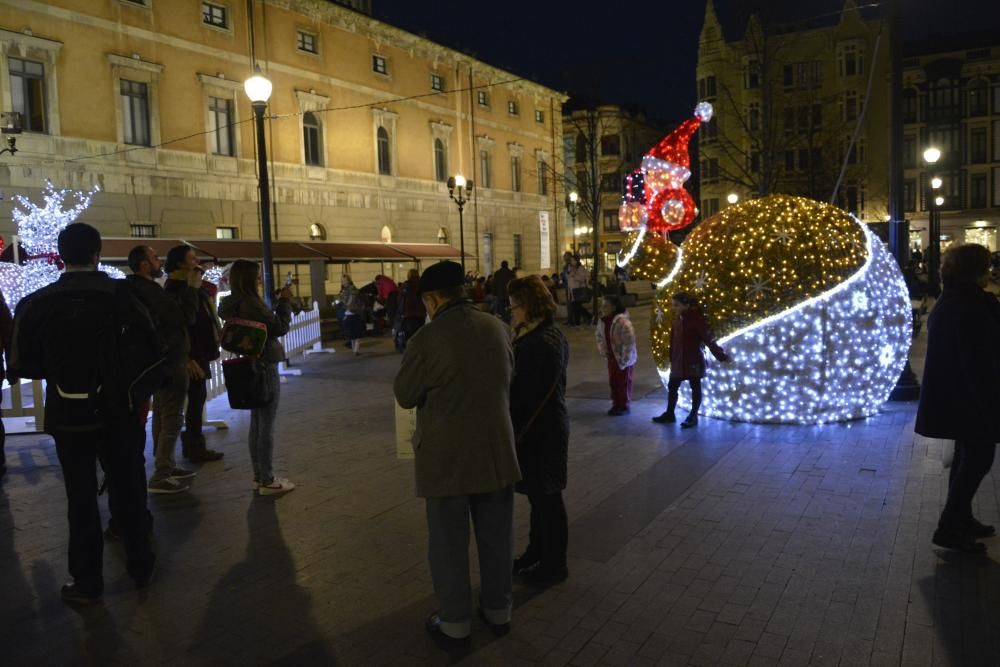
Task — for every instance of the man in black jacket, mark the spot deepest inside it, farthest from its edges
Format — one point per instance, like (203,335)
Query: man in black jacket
(69,333)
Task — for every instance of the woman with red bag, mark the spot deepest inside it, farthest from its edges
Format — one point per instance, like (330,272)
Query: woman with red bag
(688,335)
(244,302)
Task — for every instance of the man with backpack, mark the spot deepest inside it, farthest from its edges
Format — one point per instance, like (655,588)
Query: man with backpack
(95,345)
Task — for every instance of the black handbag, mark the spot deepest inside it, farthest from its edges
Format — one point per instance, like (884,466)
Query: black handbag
(247,383)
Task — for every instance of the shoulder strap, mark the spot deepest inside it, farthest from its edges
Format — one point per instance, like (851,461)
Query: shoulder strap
(538,411)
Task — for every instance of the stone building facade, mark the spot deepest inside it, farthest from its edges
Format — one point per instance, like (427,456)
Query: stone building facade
(144,98)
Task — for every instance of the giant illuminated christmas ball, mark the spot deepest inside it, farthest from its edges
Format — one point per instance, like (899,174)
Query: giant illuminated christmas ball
(804,298)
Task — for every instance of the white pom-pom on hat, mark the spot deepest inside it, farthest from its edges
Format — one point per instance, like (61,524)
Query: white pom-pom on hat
(703,112)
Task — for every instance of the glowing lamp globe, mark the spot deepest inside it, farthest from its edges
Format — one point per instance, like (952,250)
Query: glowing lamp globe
(258,88)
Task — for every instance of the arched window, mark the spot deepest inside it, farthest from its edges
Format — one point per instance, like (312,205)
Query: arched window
(386,235)
(440,161)
(384,156)
(317,232)
(312,139)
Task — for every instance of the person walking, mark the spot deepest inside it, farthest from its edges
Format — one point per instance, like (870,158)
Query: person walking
(205,335)
(960,391)
(412,313)
(578,286)
(541,424)
(183,281)
(457,372)
(616,343)
(501,279)
(354,313)
(94,343)
(244,302)
(688,335)
(6,333)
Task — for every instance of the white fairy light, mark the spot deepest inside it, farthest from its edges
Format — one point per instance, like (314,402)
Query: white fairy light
(38,229)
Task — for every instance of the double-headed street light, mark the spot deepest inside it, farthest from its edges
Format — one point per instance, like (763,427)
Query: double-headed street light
(460,191)
(572,199)
(931,156)
(258,89)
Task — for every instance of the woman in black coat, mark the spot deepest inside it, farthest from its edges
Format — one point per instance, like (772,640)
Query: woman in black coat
(960,396)
(541,426)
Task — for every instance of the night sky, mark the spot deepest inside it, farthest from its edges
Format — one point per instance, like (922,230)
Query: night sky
(633,53)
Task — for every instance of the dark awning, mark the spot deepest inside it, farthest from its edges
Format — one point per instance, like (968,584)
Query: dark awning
(339,252)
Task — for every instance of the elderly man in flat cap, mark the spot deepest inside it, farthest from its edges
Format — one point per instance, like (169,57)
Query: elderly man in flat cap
(457,372)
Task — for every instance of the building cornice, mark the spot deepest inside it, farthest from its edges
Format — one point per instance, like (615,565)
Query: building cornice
(383,34)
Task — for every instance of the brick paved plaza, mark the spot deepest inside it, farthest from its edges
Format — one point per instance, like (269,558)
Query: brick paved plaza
(732,544)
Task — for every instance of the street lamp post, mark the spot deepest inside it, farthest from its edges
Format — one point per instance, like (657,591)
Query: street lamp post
(732,198)
(458,184)
(931,156)
(258,89)
(571,201)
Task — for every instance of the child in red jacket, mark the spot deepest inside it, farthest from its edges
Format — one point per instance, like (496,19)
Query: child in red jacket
(688,335)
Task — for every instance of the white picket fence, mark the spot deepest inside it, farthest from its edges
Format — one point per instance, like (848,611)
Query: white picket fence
(303,338)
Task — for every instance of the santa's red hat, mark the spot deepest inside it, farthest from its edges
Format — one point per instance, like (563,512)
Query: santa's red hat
(674,147)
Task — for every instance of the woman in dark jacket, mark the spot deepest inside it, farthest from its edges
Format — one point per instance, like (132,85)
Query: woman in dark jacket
(245,303)
(688,334)
(541,427)
(960,396)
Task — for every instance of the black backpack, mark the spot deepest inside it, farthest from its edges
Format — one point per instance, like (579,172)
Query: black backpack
(95,344)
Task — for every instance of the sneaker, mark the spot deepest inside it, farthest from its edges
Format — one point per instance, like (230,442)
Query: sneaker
(665,418)
(167,485)
(202,455)
(275,486)
(182,473)
(74,596)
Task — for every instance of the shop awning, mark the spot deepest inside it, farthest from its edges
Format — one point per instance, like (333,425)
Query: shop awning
(339,252)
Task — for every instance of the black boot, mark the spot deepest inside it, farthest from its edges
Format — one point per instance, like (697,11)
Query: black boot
(195,450)
(666,418)
(690,422)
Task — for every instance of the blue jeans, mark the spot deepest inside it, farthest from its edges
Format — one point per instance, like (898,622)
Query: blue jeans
(262,430)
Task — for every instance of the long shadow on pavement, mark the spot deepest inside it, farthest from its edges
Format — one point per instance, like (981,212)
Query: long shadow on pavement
(257,612)
(963,599)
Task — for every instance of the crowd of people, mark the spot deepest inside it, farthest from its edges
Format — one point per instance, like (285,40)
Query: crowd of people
(488,386)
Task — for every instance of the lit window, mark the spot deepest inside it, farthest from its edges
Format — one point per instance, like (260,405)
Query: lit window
(483,97)
(307,42)
(380,65)
(440,161)
(225,233)
(220,126)
(437,83)
(539,116)
(312,139)
(143,231)
(135,112)
(512,107)
(485,174)
(214,15)
(384,155)
(27,92)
